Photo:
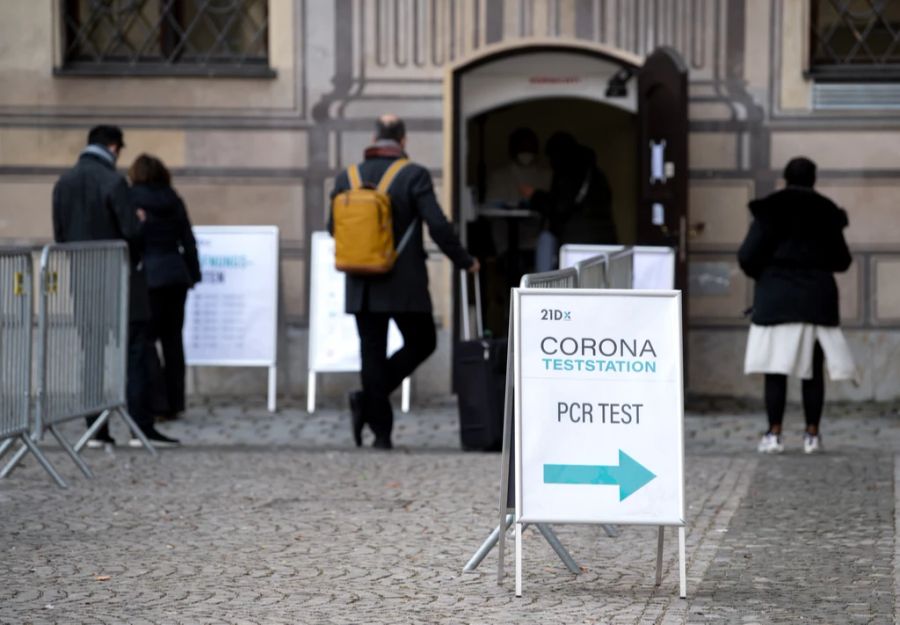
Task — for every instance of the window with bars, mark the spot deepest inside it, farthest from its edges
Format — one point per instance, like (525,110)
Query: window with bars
(855,40)
(166,37)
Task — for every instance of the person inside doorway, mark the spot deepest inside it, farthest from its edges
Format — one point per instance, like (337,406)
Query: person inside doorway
(513,184)
(578,206)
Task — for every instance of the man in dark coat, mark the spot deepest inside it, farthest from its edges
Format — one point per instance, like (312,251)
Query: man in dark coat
(402,294)
(91,203)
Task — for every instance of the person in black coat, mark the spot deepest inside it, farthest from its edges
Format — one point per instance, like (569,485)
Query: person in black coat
(402,294)
(794,246)
(171,265)
(91,203)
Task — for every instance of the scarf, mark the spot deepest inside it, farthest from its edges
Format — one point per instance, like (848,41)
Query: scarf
(384,148)
(102,152)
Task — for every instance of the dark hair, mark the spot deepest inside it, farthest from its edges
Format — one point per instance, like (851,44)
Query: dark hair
(106,135)
(390,127)
(148,169)
(522,139)
(800,172)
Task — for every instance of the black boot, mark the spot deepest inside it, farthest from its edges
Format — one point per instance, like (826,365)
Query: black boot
(357,417)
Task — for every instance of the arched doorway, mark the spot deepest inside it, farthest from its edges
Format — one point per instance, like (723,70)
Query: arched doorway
(629,111)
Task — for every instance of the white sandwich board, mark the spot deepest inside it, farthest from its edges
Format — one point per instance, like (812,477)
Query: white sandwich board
(333,339)
(599,410)
(231,316)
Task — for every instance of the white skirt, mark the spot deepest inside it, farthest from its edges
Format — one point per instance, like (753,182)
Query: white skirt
(787,348)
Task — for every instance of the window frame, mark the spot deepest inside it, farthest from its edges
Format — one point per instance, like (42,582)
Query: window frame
(252,68)
(844,72)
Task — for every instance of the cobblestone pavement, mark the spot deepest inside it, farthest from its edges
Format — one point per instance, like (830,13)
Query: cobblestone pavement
(277,519)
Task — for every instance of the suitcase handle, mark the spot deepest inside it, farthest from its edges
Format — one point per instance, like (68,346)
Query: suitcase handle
(464,299)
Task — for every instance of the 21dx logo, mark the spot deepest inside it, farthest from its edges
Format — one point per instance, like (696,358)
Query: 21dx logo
(553,314)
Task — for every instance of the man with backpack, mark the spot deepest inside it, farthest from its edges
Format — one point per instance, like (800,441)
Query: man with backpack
(377,211)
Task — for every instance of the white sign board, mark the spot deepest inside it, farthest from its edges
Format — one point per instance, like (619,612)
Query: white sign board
(654,266)
(231,317)
(599,406)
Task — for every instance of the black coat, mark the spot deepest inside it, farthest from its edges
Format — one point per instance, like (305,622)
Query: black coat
(91,203)
(170,250)
(405,288)
(794,246)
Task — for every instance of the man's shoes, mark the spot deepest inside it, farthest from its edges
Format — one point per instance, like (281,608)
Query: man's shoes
(156,438)
(382,443)
(101,440)
(770,444)
(356,415)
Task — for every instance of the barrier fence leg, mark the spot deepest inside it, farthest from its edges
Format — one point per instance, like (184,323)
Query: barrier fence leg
(137,431)
(17,457)
(311,392)
(682,564)
(42,459)
(561,551)
(5,446)
(72,453)
(661,534)
(89,434)
(611,530)
(487,545)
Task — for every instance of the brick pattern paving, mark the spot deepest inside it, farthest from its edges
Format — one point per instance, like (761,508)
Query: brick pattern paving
(278,519)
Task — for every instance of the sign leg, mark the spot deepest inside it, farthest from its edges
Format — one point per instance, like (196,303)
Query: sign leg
(682,564)
(518,559)
(273,388)
(311,392)
(405,391)
(659,553)
(561,551)
(487,545)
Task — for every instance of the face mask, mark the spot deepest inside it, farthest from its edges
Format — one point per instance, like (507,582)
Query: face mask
(525,158)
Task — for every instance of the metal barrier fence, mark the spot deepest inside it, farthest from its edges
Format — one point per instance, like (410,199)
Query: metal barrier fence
(82,341)
(620,270)
(593,272)
(16,300)
(560,279)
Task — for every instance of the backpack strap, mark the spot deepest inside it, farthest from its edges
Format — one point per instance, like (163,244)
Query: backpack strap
(353,177)
(385,183)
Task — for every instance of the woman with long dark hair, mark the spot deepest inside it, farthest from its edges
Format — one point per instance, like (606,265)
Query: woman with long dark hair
(794,247)
(171,265)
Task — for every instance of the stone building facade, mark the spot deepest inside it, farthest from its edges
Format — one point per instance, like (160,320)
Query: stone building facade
(256,121)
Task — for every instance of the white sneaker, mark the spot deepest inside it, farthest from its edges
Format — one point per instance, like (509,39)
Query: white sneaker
(812,444)
(770,444)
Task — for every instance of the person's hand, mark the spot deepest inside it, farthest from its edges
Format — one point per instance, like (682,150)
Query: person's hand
(475,267)
(141,215)
(526,191)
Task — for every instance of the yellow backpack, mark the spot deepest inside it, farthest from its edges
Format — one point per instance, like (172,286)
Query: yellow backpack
(364,227)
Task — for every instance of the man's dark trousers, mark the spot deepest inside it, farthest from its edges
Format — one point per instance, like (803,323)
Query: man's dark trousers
(137,385)
(382,375)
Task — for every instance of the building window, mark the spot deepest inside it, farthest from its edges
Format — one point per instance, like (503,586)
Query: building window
(855,40)
(166,37)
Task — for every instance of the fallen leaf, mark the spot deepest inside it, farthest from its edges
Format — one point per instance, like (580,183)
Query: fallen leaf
(102,578)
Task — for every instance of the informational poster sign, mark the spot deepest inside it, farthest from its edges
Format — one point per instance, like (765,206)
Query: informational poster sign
(333,338)
(231,317)
(599,406)
(654,266)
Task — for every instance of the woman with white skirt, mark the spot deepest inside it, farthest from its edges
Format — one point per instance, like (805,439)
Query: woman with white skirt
(793,248)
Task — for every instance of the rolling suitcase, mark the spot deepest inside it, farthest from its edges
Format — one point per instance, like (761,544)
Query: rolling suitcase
(480,365)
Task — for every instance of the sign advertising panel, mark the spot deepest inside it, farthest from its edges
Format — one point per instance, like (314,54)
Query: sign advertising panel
(599,406)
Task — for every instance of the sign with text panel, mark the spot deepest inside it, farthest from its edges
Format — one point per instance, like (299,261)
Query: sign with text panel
(599,406)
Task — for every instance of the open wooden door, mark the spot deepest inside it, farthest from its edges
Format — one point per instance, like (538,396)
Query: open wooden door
(663,161)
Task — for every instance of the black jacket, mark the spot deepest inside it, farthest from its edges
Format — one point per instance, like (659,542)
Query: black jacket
(170,250)
(794,246)
(405,288)
(91,203)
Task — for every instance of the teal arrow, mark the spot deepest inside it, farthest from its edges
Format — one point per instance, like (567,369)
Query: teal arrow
(630,475)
